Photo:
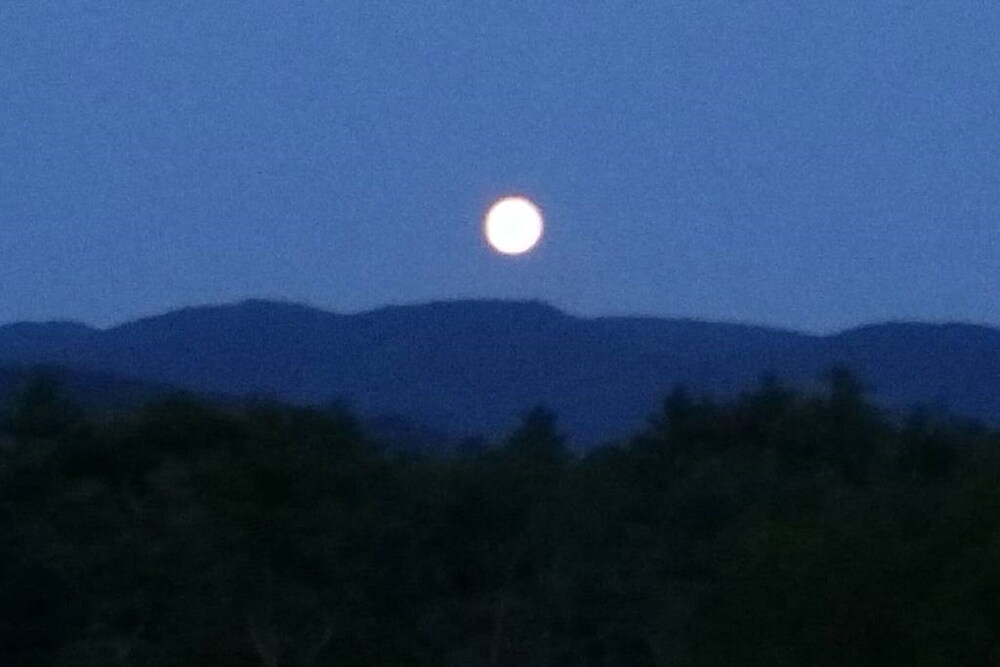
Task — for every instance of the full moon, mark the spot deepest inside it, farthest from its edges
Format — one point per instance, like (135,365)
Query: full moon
(513,225)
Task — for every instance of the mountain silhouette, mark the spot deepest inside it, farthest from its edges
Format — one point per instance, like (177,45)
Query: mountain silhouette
(474,367)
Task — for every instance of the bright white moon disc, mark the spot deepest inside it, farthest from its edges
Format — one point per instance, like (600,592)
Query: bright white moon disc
(513,225)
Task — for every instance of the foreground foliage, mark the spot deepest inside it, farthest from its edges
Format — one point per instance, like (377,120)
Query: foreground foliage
(774,529)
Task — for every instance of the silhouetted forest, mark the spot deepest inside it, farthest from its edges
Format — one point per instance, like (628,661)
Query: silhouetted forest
(777,528)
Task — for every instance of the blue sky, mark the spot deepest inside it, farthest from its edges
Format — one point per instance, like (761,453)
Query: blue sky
(806,165)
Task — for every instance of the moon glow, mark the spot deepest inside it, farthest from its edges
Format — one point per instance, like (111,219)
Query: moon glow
(513,225)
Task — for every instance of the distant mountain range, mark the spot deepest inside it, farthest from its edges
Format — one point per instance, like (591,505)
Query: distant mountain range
(473,367)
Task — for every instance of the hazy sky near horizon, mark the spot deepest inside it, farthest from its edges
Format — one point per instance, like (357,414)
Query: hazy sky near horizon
(806,165)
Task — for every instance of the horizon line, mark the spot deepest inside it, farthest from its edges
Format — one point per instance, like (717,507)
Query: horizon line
(285,301)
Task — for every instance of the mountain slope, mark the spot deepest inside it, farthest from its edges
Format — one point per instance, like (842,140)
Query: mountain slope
(97,392)
(474,366)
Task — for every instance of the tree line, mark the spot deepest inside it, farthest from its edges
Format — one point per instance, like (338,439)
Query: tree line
(775,528)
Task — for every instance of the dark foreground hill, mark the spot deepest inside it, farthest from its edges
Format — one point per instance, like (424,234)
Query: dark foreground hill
(472,367)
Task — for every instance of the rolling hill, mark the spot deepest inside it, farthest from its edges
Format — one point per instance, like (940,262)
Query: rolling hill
(472,367)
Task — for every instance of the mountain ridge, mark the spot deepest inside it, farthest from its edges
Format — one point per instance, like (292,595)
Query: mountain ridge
(473,366)
(275,305)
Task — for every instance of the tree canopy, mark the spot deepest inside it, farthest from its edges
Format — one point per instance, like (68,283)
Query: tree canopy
(775,528)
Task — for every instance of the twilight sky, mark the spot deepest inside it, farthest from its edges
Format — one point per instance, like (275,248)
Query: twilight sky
(805,165)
